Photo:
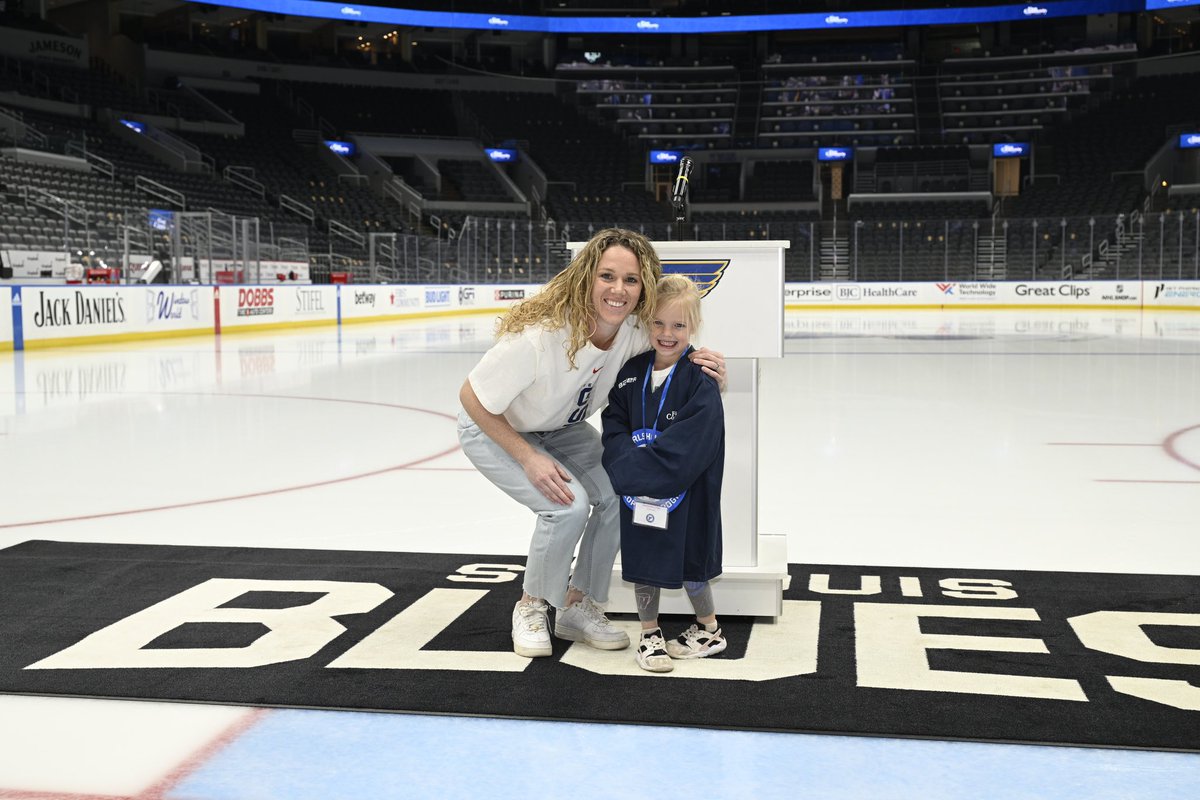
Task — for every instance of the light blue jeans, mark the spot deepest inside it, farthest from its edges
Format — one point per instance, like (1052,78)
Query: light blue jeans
(592,521)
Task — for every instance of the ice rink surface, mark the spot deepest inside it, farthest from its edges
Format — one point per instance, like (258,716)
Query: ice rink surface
(978,439)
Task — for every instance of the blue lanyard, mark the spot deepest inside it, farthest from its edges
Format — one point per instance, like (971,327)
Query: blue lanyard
(666,385)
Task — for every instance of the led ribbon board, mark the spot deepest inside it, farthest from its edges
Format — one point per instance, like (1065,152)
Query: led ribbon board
(734,24)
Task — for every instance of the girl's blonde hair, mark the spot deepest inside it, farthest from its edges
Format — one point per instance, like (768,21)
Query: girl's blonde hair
(566,299)
(682,290)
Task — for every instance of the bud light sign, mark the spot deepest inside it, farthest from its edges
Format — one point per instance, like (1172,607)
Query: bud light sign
(1187,140)
(1010,150)
(835,153)
(664,156)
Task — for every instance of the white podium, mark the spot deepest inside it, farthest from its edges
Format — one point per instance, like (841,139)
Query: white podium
(742,284)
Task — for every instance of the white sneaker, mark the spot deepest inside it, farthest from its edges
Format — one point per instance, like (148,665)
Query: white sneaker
(696,642)
(652,653)
(531,629)
(585,622)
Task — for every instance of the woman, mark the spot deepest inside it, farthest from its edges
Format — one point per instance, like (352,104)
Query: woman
(554,362)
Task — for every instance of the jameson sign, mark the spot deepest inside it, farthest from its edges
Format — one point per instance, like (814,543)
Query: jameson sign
(44,47)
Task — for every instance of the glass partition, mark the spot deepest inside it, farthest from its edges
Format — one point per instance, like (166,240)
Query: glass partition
(1105,247)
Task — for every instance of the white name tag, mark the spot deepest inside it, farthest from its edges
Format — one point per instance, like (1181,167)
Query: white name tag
(650,515)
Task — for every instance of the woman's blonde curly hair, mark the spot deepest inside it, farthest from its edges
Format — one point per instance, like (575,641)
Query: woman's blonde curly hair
(566,299)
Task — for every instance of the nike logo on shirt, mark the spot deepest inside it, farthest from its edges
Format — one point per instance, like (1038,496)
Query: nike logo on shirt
(597,369)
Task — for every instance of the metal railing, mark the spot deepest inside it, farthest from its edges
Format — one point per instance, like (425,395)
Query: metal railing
(1102,247)
(1135,246)
(244,177)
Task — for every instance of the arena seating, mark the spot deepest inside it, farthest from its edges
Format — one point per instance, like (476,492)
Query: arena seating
(919,127)
(986,99)
(824,101)
(471,180)
(375,109)
(936,168)
(691,114)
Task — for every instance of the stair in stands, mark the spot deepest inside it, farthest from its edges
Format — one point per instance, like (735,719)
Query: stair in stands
(1109,262)
(835,254)
(928,106)
(749,103)
(991,257)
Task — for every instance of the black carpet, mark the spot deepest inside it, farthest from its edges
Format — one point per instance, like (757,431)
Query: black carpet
(1067,658)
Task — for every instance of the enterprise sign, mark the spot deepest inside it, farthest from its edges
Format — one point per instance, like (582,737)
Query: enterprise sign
(1010,150)
(835,154)
(1187,140)
(732,24)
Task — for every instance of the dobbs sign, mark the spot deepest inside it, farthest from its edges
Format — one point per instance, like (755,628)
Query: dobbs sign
(255,302)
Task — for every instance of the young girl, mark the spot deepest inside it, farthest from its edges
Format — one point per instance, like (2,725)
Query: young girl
(523,427)
(664,451)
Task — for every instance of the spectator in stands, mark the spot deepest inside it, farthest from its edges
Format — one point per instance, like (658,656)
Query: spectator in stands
(673,541)
(522,425)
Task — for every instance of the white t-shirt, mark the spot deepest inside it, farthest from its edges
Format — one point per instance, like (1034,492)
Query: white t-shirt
(527,378)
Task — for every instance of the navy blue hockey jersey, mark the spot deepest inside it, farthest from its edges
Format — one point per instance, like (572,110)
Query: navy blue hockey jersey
(687,457)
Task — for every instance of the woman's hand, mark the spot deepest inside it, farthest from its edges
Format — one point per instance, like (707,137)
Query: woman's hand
(543,472)
(711,362)
(548,477)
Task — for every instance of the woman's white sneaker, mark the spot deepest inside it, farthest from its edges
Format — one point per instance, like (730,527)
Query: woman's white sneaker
(585,622)
(531,629)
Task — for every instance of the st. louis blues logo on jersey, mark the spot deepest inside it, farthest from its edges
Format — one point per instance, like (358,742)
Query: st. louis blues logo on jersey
(706,273)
